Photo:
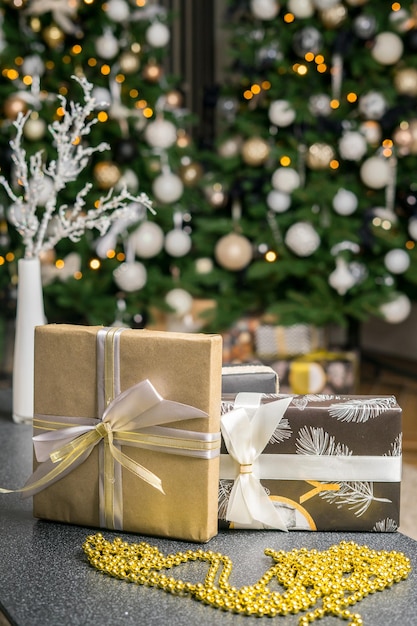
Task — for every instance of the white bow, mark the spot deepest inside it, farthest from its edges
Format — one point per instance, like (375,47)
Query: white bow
(246,430)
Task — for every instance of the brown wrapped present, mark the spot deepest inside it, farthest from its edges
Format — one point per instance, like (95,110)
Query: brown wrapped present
(126,429)
(312,462)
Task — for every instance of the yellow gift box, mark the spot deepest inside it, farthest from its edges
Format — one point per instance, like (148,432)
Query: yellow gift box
(126,429)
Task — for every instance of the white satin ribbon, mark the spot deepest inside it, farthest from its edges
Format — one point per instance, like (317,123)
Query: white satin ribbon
(323,468)
(246,431)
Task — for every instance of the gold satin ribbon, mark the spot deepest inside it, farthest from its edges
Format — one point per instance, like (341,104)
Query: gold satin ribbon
(318,488)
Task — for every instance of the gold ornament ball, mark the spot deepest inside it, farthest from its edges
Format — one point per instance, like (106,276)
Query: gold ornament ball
(47,257)
(191,173)
(107,174)
(319,156)
(129,62)
(334,16)
(405,81)
(215,194)
(174,99)
(255,151)
(53,36)
(183,139)
(14,105)
(152,72)
(233,252)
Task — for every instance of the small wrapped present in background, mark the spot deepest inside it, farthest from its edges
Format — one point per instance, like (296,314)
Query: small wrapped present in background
(249,377)
(273,341)
(324,372)
(310,462)
(126,429)
(239,341)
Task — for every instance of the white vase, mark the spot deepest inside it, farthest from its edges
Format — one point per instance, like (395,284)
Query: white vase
(29,313)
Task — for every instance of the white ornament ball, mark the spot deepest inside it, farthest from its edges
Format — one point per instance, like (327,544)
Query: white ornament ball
(33,65)
(322,5)
(204,265)
(388,48)
(352,146)
(372,132)
(301,8)
(129,180)
(281,113)
(160,133)
(265,9)
(130,276)
(158,35)
(302,239)
(345,202)
(412,228)
(102,97)
(177,242)
(397,310)
(320,105)
(117,10)
(34,129)
(400,20)
(233,252)
(375,172)
(147,240)
(45,190)
(285,179)
(167,187)
(179,300)
(341,279)
(107,46)
(397,261)
(230,147)
(372,105)
(278,201)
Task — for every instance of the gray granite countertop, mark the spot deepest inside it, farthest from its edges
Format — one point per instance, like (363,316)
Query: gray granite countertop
(46,581)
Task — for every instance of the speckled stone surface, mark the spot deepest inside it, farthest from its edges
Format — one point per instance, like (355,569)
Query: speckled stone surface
(45,580)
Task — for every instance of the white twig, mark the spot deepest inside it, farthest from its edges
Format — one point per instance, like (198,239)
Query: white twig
(43,223)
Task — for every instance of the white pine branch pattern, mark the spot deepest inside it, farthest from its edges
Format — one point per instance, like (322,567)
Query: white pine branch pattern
(358,496)
(396,446)
(282,432)
(356,410)
(317,441)
(387,525)
(225,487)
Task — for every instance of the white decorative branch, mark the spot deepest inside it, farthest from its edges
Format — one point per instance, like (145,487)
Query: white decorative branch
(42,224)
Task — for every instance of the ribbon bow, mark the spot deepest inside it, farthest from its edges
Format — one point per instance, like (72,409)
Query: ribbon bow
(246,430)
(61,451)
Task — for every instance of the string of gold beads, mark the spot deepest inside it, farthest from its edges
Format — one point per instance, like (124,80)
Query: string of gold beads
(316,583)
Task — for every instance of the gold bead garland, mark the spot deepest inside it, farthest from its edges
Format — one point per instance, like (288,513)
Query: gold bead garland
(341,576)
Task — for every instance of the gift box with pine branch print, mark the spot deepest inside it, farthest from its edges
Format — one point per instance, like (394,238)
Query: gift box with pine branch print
(310,462)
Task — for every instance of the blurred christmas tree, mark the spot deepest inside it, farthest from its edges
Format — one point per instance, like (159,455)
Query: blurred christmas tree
(306,207)
(121,47)
(317,150)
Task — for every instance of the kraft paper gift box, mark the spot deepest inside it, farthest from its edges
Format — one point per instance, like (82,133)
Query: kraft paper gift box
(310,462)
(131,418)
